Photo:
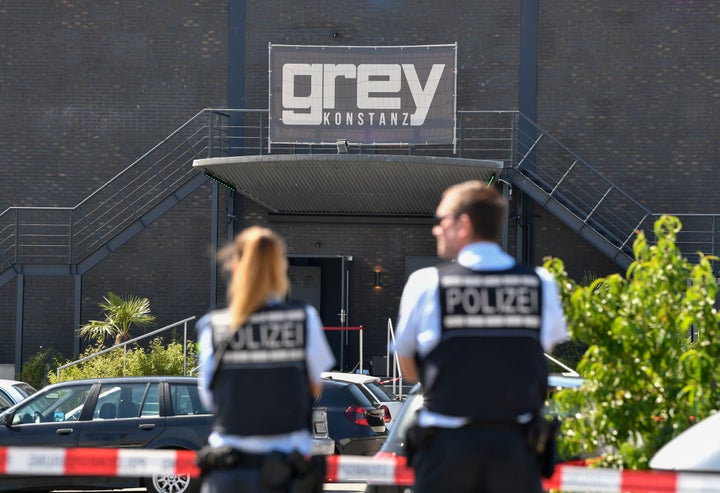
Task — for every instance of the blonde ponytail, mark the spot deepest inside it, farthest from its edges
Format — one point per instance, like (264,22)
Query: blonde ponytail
(259,272)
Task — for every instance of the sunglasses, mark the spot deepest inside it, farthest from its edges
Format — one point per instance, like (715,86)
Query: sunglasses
(439,219)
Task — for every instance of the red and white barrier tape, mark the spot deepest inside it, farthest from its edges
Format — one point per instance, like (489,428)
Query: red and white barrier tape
(51,461)
(389,470)
(579,479)
(375,470)
(96,462)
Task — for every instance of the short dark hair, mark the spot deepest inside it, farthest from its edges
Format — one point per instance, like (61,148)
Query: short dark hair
(484,205)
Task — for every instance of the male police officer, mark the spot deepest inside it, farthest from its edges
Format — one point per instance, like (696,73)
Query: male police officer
(473,332)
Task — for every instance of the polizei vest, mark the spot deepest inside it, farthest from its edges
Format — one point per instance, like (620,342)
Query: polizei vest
(489,364)
(262,379)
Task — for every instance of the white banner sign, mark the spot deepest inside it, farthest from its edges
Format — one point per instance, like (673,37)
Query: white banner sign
(364,95)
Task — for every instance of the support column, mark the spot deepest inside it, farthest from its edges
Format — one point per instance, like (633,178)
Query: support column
(530,15)
(214,243)
(19,319)
(236,73)
(77,319)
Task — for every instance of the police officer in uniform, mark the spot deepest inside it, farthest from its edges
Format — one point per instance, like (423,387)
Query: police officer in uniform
(260,365)
(473,332)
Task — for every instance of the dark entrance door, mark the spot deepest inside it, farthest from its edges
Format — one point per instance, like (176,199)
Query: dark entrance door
(324,282)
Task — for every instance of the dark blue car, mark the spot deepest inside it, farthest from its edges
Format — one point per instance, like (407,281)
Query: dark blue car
(355,424)
(134,412)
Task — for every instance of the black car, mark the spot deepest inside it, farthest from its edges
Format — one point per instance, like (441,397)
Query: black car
(355,424)
(149,412)
(136,412)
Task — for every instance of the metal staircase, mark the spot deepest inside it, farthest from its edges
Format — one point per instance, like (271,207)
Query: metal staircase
(593,206)
(71,240)
(63,241)
(577,194)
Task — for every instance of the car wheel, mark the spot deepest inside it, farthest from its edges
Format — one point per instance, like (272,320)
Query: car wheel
(181,483)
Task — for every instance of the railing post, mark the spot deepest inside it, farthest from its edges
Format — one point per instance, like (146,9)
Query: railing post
(361,350)
(211,142)
(261,131)
(461,134)
(17,236)
(185,349)
(387,353)
(513,137)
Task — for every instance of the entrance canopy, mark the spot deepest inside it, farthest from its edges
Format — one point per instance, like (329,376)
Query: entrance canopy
(346,184)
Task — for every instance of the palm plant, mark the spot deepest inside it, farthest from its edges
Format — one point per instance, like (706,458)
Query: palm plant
(121,313)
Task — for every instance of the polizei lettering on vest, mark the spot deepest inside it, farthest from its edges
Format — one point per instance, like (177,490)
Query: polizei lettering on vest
(270,335)
(508,300)
(314,106)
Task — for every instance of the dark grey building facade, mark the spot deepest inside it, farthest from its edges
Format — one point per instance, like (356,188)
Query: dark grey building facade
(89,89)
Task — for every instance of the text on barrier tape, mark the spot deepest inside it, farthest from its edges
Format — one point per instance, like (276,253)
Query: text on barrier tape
(51,461)
(583,479)
(96,462)
(376,470)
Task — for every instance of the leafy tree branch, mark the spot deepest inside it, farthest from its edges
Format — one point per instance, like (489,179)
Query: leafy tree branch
(646,379)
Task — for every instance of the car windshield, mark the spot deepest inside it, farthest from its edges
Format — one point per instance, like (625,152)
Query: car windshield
(336,394)
(25,389)
(62,404)
(363,396)
(383,393)
(4,403)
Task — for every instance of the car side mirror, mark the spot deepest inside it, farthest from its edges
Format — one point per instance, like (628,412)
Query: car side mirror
(7,419)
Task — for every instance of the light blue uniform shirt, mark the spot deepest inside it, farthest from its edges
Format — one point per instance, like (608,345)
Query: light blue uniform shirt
(418,327)
(319,358)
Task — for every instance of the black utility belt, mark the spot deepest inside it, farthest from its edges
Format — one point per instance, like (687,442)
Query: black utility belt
(491,424)
(226,457)
(277,469)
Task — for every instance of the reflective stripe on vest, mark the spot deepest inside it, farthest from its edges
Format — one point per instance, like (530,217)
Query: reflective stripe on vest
(489,363)
(262,385)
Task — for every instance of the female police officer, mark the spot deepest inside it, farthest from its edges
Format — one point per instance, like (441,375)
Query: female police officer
(260,365)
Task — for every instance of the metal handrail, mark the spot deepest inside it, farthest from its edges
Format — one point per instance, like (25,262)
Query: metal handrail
(397,376)
(699,233)
(125,344)
(584,190)
(69,235)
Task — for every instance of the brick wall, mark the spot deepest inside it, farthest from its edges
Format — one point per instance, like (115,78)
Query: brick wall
(634,88)
(87,87)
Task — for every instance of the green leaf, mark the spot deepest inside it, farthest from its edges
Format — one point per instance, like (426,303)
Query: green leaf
(645,380)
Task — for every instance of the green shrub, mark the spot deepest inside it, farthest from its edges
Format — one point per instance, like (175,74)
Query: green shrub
(35,370)
(157,359)
(645,380)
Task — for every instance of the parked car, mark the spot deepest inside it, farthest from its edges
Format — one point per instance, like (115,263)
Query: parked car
(355,424)
(394,445)
(151,412)
(4,403)
(377,392)
(14,391)
(322,443)
(694,450)
(137,412)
